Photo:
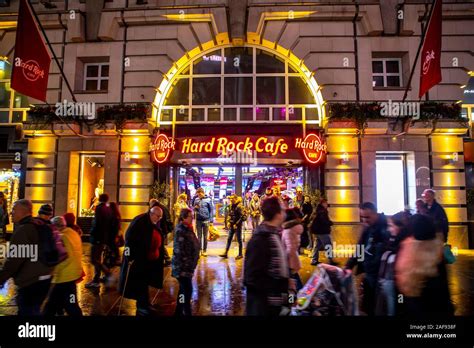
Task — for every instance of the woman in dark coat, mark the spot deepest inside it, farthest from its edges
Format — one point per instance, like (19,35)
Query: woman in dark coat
(420,271)
(321,227)
(184,260)
(307,211)
(143,259)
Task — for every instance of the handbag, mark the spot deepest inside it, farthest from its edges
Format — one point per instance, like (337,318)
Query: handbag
(449,257)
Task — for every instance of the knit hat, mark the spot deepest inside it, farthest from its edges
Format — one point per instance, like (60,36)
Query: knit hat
(46,209)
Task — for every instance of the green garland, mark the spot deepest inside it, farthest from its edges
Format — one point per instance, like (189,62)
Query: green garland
(118,114)
(362,113)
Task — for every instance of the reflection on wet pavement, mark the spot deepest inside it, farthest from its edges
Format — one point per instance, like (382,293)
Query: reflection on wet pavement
(218,287)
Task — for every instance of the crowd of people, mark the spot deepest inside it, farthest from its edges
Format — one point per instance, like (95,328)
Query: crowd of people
(403,265)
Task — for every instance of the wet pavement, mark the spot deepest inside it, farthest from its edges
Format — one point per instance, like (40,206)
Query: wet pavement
(218,287)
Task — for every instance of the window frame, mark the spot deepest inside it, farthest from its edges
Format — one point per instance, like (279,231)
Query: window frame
(99,77)
(384,72)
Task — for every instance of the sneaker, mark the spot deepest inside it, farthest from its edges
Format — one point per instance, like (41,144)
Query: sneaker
(92,284)
(204,254)
(224,255)
(238,257)
(315,263)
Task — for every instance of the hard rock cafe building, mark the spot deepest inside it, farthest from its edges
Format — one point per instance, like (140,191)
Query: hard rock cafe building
(239,95)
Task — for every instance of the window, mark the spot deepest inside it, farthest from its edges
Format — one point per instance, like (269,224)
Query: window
(96,76)
(399,170)
(239,84)
(387,72)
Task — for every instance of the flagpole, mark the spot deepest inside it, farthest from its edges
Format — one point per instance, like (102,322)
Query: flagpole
(423,34)
(52,51)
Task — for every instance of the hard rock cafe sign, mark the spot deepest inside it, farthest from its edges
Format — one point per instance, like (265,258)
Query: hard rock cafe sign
(311,146)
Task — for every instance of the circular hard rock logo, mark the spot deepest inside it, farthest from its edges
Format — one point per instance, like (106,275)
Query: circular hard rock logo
(32,70)
(313,148)
(161,148)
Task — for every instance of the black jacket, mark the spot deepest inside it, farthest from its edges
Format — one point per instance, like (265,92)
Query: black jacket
(143,272)
(321,223)
(375,240)
(102,225)
(263,258)
(166,224)
(236,214)
(185,252)
(440,219)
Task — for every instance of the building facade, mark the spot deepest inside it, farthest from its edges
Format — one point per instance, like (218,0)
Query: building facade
(237,92)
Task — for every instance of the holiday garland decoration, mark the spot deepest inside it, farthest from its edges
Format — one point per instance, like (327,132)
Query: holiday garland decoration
(362,113)
(118,114)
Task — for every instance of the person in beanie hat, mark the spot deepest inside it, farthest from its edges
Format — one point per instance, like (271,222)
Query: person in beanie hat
(45,213)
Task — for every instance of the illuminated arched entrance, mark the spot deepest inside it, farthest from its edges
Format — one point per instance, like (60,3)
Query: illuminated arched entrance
(257,82)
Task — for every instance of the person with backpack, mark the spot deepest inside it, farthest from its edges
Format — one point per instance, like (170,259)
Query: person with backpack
(237,217)
(32,275)
(63,295)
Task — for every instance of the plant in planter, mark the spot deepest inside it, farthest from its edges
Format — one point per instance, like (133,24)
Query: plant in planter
(161,188)
(359,113)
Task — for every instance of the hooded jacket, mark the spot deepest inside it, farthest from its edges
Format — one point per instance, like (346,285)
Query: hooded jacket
(25,270)
(185,251)
(70,269)
(290,238)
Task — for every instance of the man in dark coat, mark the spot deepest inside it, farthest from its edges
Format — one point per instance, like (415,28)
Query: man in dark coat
(143,258)
(236,220)
(101,228)
(437,213)
(374,240)
(266,270)
(166,223)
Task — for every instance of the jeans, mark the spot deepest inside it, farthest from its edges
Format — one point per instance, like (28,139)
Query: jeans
(183,303)
(323,240)
(202,228)
(96,259)
(233,231)
(63,296)
(255,222)
(30,298)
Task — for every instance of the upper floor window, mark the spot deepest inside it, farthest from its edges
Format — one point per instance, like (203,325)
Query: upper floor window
(387,72)
(13,105)
(96,76)
(245,84)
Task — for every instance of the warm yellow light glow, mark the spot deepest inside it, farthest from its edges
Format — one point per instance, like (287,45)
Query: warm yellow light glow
(39,177)
(447,144)
(449,179)
(7,25)
(344,214)
(39,193)
(342,144)
(342,179)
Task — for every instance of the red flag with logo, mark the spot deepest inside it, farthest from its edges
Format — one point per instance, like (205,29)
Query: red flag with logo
(430,70)
(32,61)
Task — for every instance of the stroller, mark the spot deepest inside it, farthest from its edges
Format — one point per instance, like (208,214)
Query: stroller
(328,292)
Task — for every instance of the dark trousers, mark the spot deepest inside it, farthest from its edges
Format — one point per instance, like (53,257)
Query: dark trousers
(202,228)
(237,231)
(183,303)
(63,296)
(257,305)
(97,261)
(30,298)
(368,295)
(142,296)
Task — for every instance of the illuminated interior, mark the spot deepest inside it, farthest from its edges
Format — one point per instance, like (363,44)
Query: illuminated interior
(91,183)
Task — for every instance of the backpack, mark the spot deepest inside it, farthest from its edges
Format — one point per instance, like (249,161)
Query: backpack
(51,247)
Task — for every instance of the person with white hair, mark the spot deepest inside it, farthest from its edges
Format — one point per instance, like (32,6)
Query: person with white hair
(63,295)
(436,212)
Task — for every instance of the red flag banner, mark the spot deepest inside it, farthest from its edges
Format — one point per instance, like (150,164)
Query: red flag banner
(430,70)
(32,61)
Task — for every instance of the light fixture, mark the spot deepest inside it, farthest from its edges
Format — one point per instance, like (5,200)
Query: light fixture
(452,159)
(344,158)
